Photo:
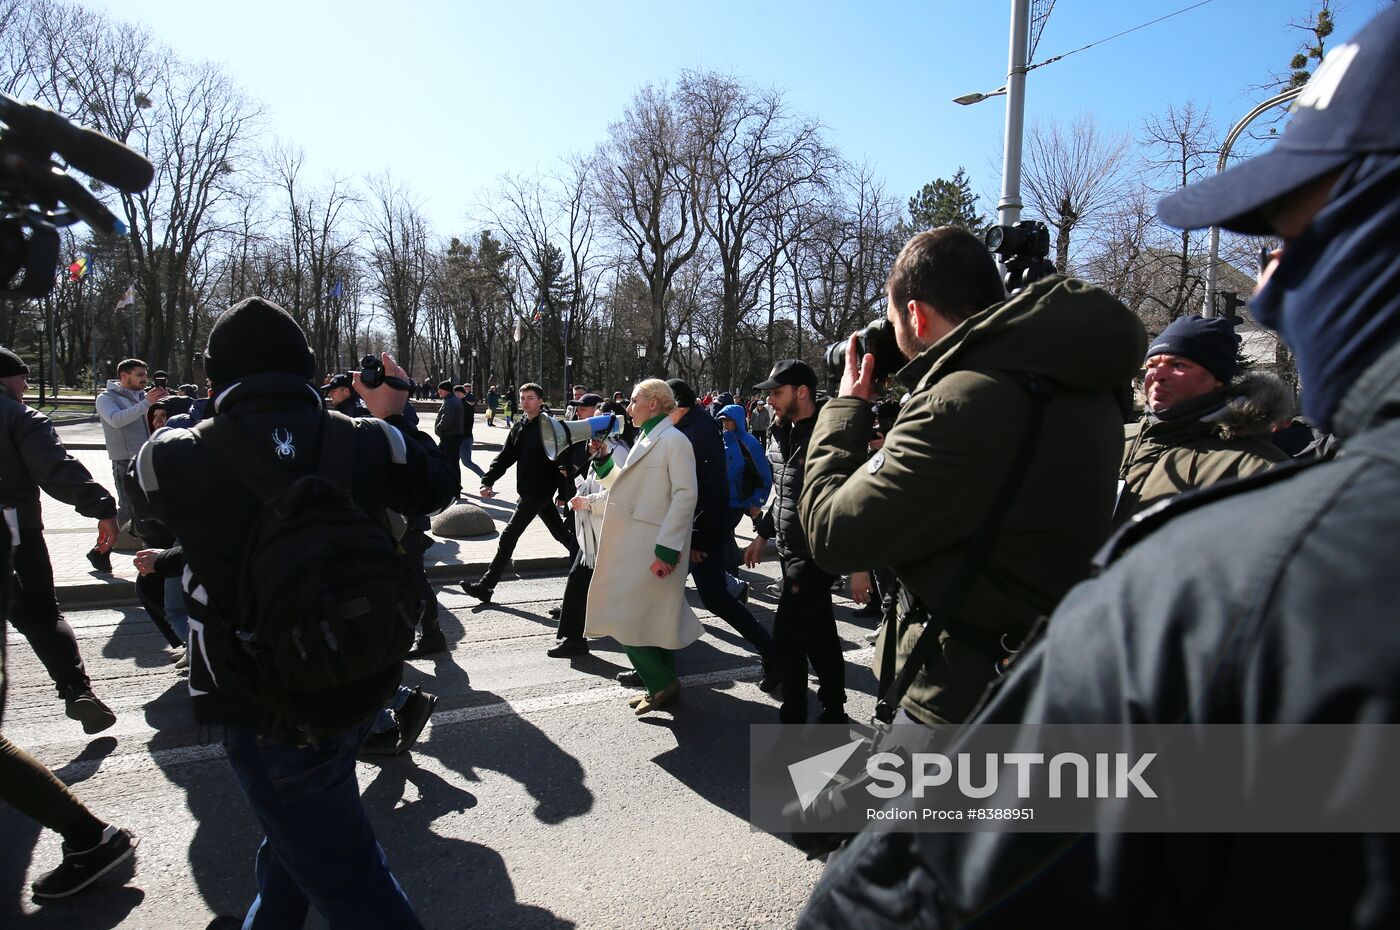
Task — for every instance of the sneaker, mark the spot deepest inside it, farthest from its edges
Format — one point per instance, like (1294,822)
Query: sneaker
(555,611)
(413,716)
(477,590)
(183,660)
(569,647)
(84,707)
(770,681)
(833,715)
(101,561)
(775,589)
(630,679)
(382,744)
(80,869)
(430,642)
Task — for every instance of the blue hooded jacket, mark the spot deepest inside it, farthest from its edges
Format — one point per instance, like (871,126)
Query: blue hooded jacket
(734,460)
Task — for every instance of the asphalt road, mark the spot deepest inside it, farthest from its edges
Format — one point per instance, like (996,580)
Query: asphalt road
(536,799)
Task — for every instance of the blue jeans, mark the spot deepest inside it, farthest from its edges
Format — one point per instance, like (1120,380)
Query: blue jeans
(176,614)
(466,453)
(712,584)
(319,849)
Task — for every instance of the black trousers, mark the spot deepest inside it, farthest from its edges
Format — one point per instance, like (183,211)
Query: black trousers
(804,630)
(529,507)
(35,614)
(574,608)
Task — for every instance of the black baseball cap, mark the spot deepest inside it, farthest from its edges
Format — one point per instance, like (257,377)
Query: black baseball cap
(1349,108)
(588,400)
(342,380)
(789,371)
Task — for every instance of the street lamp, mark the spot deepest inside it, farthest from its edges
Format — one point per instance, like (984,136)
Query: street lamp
(39,328)
(969,99)
(1009,207)
(641,360)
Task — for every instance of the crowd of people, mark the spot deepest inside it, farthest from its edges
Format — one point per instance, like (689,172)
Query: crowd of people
(1038,553)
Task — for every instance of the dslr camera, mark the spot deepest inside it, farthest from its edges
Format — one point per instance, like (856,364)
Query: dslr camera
(38,196)
(878,340)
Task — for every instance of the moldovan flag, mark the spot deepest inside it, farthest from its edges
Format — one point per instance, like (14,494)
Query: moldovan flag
(78,269)
(128,298)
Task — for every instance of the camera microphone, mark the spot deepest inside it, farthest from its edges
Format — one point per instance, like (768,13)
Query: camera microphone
(88,150)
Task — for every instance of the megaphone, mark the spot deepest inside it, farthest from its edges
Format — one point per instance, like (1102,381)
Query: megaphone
(559,435)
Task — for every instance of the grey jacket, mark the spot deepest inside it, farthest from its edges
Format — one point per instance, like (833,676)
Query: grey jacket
(449,419)
(1266,601)
(32,457)
(123,414)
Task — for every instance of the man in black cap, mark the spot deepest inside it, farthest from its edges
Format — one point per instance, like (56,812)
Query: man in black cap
(341,396)
(449,426)
(320,848)
(1267,602)
(804,626)
(1201,425)
(32,457)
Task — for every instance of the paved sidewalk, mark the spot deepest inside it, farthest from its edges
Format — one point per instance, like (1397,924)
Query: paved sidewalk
(69,536)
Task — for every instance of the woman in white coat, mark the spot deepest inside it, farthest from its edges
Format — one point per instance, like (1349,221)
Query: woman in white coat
(637,596)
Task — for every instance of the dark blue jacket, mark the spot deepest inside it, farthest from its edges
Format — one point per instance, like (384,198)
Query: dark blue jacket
(712,503)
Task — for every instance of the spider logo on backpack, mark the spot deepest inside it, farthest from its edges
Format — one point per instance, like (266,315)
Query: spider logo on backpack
(283,440)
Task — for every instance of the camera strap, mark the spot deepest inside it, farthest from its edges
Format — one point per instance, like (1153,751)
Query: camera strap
(893,686)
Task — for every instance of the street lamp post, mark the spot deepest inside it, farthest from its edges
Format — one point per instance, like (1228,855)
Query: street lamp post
(641,361)
(1251,116)
(39,327)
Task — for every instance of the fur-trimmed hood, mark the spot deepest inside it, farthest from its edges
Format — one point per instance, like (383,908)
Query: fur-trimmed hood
(1257,402)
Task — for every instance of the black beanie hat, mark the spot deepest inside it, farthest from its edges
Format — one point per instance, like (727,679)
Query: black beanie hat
(253,336)
(685,394)
(445,386)
(11,364)
(1209,342)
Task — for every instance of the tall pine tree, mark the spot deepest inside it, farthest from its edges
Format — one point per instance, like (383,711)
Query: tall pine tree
(944,202)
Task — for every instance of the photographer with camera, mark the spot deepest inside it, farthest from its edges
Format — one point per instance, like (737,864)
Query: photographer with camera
(995,485)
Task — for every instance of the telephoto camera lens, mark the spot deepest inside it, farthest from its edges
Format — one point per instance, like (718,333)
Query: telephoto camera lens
(878,340)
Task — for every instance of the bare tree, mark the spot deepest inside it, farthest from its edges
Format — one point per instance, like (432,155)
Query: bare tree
(758,161)
(649,185)
(398,242)
(1072,173)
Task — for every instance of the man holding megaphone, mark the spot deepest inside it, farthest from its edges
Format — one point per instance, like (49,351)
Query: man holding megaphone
(538,481)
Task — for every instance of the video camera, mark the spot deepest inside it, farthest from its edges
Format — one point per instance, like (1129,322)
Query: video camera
(372,374)
(1022,249)
(38,196)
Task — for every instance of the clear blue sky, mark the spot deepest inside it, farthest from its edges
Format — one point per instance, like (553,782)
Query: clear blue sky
(449,95)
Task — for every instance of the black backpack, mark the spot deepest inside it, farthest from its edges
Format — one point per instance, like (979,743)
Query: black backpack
(328,600)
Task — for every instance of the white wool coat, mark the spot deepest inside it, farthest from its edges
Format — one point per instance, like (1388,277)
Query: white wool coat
(650,501)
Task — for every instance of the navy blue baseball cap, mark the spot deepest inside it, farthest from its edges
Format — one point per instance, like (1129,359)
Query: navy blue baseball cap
(1349,108)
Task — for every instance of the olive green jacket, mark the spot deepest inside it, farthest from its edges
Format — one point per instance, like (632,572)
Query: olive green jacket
(917,504)
(1224,434)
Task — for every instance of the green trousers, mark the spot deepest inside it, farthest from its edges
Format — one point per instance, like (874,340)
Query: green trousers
(657,666)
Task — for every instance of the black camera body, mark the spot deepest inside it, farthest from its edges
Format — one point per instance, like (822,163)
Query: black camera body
(372,374)
(878,340)
(1022,249)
